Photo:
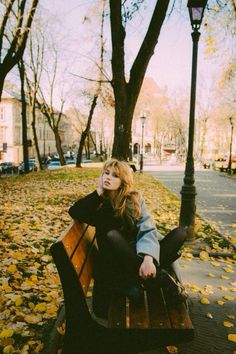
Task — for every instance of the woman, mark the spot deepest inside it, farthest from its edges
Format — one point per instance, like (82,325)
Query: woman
(133,255)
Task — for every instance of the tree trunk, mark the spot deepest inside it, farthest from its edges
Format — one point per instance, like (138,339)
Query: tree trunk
(36,141)
(126,93)
(58,146)
(86,132)
(24,117)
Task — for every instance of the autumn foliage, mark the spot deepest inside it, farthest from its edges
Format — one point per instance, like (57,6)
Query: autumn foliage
(33,215)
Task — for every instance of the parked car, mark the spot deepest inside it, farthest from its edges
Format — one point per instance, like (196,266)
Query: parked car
(70,162)
(32,167)
(54,164)
(8,167)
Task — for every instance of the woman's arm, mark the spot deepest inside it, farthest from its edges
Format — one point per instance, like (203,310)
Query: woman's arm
(147,245)
(84,210)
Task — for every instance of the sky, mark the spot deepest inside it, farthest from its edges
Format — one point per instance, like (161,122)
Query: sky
(170,66)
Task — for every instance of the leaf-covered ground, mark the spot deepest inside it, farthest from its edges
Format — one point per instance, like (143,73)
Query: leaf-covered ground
(33,215)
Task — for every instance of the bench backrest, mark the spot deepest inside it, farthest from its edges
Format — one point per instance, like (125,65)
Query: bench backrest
(73,255)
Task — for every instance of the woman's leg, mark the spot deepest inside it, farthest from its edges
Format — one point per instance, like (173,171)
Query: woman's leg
(122,265)
(170,246)
(169,253)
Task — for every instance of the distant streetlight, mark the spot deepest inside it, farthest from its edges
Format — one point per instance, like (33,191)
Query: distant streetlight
(143,119)
(188,191)
(230,146)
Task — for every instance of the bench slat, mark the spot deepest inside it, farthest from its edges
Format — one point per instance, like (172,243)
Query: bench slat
(72,237)
(158,314)
(138,315)
(117,311)
(179,316)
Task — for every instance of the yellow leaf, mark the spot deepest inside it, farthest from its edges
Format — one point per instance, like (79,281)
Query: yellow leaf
(32,318)
(215,264)
(223,288)
(39,348)
(171,349)
(6,333)
(6,288)
(46,258)
(11,268)
(233,289)
(194,287)
(204,256)
(211,275)
(61,329)
(220,302)
(228,270)
(41,307)
(204,301)
(228,324)
(187,255)
(19,301)
(232,337)
(34,278)
(224,277)
(228,297)
(8,349)
(232,317)
(37,265)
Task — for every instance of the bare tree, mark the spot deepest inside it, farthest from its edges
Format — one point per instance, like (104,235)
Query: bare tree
(16,21)
(47,106)
(126,92)
(21,68)
(33,74)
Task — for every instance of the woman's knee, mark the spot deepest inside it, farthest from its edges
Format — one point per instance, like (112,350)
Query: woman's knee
(179,233)
(113,236)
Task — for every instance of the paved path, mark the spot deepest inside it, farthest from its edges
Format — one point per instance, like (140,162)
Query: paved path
(216,194)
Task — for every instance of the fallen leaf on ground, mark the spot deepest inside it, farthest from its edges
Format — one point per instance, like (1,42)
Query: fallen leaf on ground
(220,302)
(204,256)
(229,297)
(171,349)
(228,324)
(232,337)
(205,301)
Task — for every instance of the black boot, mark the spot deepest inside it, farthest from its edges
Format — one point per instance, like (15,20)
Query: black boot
(174,291)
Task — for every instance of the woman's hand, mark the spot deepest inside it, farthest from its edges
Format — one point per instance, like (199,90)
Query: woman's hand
(147,268)
(100,189)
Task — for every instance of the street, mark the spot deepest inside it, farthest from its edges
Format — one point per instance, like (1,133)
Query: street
(216,194)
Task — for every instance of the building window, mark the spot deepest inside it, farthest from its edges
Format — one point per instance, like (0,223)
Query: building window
(2,114)
(2,134)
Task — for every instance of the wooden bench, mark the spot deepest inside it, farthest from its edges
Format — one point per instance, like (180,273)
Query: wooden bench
(131,328)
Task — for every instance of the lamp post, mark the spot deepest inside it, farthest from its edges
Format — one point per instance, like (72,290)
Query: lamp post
(143,119)
(230,146)
(188,191)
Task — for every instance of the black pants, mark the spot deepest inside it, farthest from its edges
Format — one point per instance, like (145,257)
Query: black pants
(118,264)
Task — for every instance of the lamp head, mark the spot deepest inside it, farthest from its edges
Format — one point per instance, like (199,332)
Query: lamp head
(196,11)
(143,118)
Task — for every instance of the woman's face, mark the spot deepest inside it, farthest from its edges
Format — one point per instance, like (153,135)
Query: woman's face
(110,180)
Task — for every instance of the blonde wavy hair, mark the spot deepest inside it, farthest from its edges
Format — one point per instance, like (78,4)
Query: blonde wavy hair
(125,200)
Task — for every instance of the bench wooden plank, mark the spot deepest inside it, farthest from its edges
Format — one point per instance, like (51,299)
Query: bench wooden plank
(179,316)
(158,314)
(138,314)
(117,311)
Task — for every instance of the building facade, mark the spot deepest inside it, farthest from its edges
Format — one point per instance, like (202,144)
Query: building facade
(11,148)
